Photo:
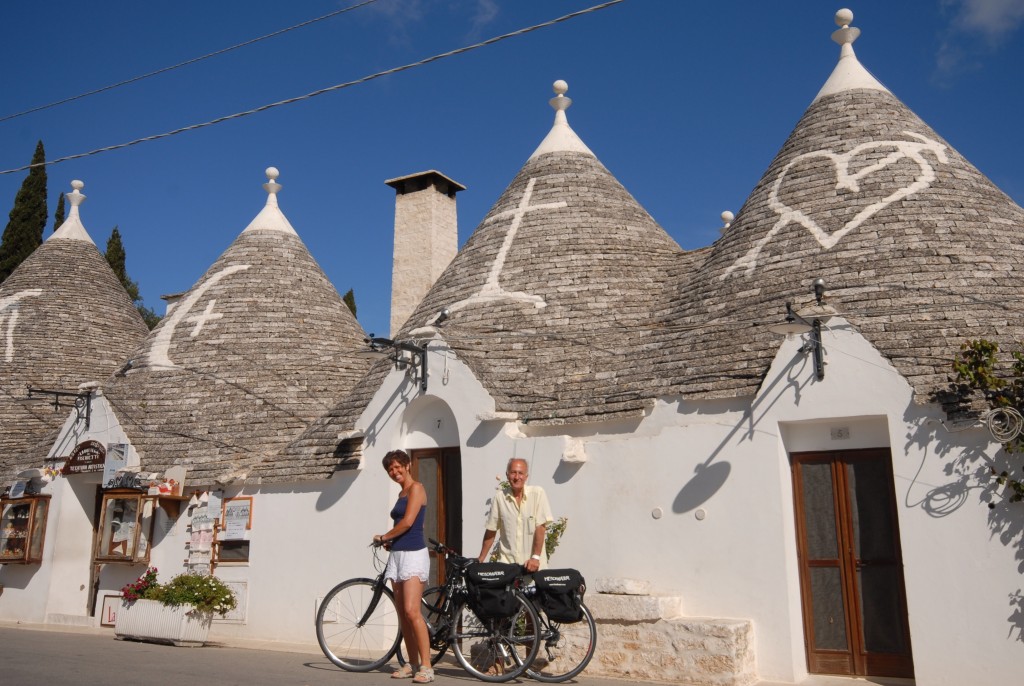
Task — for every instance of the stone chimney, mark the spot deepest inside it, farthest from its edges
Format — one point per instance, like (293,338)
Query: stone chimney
(426,238)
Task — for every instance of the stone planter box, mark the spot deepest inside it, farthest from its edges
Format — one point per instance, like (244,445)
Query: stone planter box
(149,620)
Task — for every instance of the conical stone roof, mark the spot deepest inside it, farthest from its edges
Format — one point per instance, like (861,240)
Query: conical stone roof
(919,250)
(65,319)
(258,348)
(552,299)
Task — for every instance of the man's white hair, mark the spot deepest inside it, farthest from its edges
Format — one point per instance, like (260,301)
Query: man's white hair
(526,464)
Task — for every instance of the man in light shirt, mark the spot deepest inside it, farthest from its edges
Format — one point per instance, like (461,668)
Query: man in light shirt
(518,518)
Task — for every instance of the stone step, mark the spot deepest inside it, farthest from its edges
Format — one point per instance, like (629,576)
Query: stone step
(649,638)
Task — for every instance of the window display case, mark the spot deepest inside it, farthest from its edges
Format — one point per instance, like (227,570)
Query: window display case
(126,526)
(22,529)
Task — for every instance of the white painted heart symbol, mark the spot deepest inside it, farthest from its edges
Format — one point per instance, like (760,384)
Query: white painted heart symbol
(845,180)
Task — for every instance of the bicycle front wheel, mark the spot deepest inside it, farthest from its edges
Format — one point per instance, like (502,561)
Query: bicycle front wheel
(357,625)
(565,649)
(497,650)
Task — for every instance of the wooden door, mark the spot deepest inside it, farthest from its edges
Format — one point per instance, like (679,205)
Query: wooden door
(440,472)
(851,567)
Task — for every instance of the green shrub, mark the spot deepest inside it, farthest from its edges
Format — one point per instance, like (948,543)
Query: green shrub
(207,593)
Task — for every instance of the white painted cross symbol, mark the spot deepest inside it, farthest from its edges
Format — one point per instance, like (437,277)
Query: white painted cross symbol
(492,289)
(9,307)
(158,354)
(207,315)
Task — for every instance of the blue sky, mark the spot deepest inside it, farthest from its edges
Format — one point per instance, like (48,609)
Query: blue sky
(685,101)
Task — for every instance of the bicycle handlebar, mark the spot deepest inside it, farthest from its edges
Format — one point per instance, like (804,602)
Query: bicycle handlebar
(441,549)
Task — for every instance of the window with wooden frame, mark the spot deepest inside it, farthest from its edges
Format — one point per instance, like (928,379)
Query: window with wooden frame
(22,529)
(126,527)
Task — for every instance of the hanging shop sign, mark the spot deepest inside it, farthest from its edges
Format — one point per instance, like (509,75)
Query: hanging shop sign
(88,456)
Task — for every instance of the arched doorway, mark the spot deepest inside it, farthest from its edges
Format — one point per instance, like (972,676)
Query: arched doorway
(431,437)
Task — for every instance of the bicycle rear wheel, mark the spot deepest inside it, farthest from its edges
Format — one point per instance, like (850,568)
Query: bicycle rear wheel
(565,649)
(496,650)
(438,626)
(357,625)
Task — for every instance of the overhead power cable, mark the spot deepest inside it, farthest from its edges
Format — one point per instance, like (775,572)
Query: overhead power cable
(185,63)
(307,96)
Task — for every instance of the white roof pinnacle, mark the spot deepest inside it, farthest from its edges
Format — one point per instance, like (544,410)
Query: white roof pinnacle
(270,217)
(849,73)
(561,138)
(72,227)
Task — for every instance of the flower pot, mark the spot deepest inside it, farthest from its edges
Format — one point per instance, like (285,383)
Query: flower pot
(149,620)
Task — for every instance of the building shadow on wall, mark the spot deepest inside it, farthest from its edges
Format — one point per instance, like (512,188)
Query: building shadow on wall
(565,471)
(708,478)
(710,475)
(970,477)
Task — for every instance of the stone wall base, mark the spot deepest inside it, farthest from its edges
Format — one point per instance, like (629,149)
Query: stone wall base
(697,651)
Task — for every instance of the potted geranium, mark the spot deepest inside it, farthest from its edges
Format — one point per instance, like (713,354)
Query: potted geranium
(179,612)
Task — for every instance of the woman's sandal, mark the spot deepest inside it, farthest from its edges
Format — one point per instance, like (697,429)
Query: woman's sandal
(424,676)
(403,672)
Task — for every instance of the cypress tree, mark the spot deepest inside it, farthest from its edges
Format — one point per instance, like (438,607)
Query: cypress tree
(24,232)
(58,216)
(115,258)
(350,300)
(149,316)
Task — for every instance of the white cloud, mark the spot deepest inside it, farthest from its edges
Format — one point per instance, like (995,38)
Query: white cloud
(976,28)
(992,19)
(406,17)
(486,11)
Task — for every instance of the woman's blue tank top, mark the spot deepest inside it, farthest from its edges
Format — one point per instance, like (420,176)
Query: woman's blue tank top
(414,538)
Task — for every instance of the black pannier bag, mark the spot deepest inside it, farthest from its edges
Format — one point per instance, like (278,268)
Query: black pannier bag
(560,594)
(491,586)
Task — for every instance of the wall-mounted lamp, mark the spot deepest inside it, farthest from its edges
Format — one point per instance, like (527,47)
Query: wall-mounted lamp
(808,320)
(394,349)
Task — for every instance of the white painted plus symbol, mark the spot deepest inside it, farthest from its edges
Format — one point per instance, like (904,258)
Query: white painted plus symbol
(200,319)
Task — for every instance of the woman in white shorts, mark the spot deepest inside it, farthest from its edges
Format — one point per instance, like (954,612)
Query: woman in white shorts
(409,565)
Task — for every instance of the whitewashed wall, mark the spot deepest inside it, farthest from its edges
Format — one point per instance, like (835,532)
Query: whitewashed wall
(695,497)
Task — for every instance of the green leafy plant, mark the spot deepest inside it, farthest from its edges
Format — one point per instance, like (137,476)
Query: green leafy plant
(977,370)
(554,534)
(206,593)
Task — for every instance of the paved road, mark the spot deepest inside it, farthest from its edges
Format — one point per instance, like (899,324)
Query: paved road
(38,654)
(32,656)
